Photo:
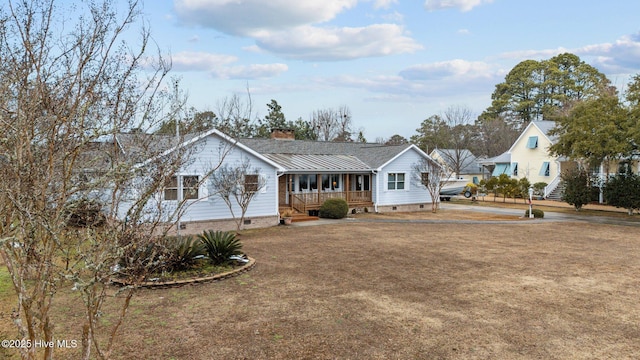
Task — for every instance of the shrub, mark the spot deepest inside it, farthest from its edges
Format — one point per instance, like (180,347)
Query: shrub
(183,252)
(139,259)
(538,188)
(577,188)
(537,213)
(84,213)
(334,209)
(623,190)
(220,246)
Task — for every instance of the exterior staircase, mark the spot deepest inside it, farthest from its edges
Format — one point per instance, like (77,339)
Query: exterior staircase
(298,216)
(556,194)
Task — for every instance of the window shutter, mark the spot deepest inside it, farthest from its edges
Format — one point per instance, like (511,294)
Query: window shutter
(544,170)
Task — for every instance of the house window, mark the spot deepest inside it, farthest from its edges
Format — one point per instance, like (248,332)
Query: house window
(395,181)
(189,187)
(307,182)
(476,180)
(303,182)
(514,166)
(171,189)
(362,183)
(544,170)
(251,183)
(188,184)
(424,178)
(533,142)
(330,181)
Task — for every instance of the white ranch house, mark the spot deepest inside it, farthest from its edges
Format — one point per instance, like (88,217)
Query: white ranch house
(294,174)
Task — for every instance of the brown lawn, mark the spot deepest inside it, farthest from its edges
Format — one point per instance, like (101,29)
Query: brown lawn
(400,290)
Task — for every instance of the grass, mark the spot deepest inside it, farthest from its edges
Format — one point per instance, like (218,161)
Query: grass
(6,287)
(380,290)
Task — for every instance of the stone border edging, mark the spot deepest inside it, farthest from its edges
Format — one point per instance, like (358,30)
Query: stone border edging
(175,283)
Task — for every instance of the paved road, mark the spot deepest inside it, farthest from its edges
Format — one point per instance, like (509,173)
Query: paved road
(549,216)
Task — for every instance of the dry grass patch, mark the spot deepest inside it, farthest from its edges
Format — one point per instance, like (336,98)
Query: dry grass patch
(365,290)
(441,214)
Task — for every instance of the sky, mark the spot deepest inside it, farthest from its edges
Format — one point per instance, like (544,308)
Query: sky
(394,63)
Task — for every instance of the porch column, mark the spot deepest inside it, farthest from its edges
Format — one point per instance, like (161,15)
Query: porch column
(346,187)
(319,182)
(290,190)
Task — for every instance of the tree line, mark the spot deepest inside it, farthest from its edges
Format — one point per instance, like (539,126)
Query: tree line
(236,117)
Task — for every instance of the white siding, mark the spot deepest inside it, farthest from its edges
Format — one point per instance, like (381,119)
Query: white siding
(213,207)
(207,154)
(413,193)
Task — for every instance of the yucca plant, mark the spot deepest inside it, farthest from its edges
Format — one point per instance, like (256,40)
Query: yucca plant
(220,246)
(184,252)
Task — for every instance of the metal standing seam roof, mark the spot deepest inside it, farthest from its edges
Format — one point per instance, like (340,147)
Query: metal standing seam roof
(318,163)
(292,155)
(301,155)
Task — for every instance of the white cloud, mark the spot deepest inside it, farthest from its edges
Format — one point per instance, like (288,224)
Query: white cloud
(200,61)
(220,66)
(384,4)
(449,69)
(395,17)
(619,57)
(323,44)
(426,81)
(254,71)
(244,17)
(298,29)
(463,5)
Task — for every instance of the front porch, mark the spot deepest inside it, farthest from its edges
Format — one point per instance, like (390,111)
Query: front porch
(307,192)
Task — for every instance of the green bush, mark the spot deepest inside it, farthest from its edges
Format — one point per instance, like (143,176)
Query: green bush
(537,213)
(334,209)
(183,252)
(220,246)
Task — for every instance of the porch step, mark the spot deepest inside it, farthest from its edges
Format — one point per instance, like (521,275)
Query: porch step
(298,217)
(303,217)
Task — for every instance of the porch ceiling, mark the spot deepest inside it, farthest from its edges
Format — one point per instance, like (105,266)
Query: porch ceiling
(300,163)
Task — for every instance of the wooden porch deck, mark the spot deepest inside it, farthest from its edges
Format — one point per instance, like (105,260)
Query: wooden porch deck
(304,202)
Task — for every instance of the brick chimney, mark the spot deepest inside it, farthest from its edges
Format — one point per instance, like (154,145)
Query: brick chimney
(283,134)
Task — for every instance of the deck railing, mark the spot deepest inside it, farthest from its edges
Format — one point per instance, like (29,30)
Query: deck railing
(312,200)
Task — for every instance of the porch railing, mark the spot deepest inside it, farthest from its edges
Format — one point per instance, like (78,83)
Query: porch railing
(312,200)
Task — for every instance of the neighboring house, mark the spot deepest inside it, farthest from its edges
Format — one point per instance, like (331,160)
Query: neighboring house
(292,174)
(529,157)
(471,170)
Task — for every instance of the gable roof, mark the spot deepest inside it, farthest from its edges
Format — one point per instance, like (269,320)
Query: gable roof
(166,144)
(469,164)
(301,155)
(543,127)
(505,157)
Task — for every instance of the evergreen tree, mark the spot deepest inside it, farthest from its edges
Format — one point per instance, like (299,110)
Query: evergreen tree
(623,190)
(577,188)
